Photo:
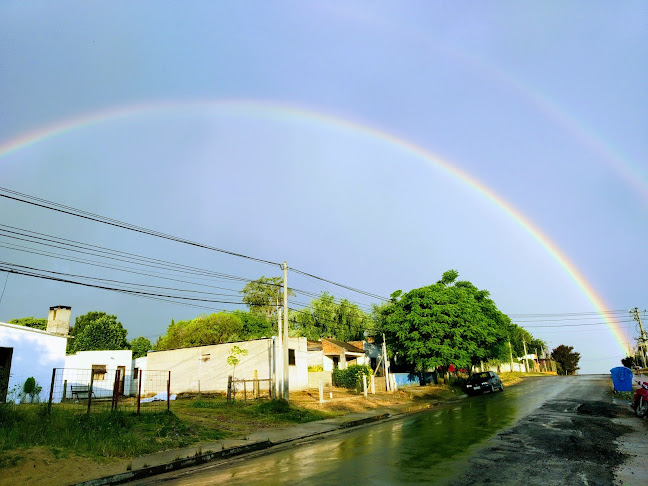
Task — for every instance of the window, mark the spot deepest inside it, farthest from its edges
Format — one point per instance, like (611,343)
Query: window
(99,372)
(135,373)
(291,357)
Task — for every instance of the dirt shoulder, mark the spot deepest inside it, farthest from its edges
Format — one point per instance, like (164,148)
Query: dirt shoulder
(53,466)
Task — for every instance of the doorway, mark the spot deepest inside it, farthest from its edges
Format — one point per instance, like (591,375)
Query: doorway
(5,370)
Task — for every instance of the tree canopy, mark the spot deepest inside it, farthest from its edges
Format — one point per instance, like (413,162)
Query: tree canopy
(263,295)
(450,322)
(326,317)
(97,331)
(33,322)
(140,347)
(566,358)
(217,328)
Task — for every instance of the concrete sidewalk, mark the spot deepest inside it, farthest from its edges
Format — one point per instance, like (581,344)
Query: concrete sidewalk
(166,461)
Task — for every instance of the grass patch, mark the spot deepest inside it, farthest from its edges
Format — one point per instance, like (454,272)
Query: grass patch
(241,417)
(103,434)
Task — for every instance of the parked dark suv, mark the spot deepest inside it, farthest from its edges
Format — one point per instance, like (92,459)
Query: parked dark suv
(483,382)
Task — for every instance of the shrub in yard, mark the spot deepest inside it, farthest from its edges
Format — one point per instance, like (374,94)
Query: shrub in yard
(351,376)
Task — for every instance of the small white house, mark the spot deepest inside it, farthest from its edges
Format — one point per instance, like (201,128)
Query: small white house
(205,368)
(26,352)
(101,366)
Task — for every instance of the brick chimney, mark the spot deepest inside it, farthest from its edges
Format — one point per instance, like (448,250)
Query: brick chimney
(58,321)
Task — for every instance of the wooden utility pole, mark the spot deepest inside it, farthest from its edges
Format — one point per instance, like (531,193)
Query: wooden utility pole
(286,385)
(642,339)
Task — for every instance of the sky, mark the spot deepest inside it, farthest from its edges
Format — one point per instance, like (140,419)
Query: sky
(373,144)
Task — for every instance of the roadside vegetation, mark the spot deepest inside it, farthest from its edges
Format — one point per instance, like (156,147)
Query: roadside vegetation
(124,434)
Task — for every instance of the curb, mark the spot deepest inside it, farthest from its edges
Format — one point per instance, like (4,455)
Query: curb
(211,456)
(175,465)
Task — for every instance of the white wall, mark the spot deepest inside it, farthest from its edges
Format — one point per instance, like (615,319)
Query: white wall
(78,366)
(35,354)
(206,367)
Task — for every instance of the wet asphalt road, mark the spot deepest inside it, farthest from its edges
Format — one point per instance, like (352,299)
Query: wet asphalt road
(545,431)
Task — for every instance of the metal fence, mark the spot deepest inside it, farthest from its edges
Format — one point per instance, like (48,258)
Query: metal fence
(100,389)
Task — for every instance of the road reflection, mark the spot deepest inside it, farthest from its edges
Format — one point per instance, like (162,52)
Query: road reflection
(423,448)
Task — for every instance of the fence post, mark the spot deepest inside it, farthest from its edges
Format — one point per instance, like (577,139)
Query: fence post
(321,390)
(364,385)
(245,390)
(49,404)
(64,389)
(90,390)
(229,388)
(373,385)
(139,391)
(169,392)
(115,390)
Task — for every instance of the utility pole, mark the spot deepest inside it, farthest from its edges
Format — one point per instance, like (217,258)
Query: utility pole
(286,385)
(642,339)
(386,365)
(511,354)
(526,361)
(279,357)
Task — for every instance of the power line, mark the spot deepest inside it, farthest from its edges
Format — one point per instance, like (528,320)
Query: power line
(369,294)
(43,203)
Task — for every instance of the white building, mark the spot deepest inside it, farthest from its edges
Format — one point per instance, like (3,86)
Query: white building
(205,368)
(26,352)
(102,367)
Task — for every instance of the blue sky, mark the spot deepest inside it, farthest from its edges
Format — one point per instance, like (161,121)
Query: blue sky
(543,103)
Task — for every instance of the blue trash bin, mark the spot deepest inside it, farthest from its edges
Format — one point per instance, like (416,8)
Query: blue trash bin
(622,378)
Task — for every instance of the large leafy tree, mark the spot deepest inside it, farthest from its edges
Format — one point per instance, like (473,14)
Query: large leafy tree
(97,331)
(263,295)
(255,326)
(326,317)
(140,346)
(33,322)
(450,322)
(566,358)
(201,331)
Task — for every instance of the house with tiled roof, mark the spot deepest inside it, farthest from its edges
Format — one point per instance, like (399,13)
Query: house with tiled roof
(331,353)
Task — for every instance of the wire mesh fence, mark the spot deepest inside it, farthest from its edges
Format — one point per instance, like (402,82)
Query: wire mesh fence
(100,389)
(252,389)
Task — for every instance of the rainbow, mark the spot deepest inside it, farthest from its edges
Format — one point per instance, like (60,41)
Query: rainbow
(281,110)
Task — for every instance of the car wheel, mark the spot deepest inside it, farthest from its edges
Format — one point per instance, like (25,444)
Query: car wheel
(642,408)
(492,388)
(501,387)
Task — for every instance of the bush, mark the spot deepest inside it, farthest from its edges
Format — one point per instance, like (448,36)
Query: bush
(30,385)
(350,377)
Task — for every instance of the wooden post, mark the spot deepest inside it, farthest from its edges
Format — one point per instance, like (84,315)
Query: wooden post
(139,391)
(229,388)
(90,390)
(64,390)
(169,392)
(115,390)
(245,390)
(49,404)
(255,385)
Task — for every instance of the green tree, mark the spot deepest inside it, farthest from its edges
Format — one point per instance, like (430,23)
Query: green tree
(97,331)
(448,322)
(255,326)
(201,331)
(33,322)
(325,318)
(263,295)
(140,347)
(234,357)
(566,358)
